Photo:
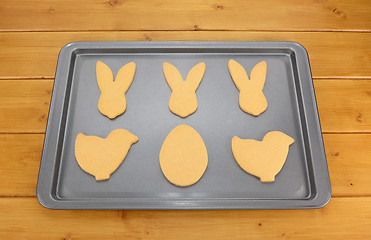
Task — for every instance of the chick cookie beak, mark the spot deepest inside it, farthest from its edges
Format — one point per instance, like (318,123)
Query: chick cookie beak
(290,140)
(134,138)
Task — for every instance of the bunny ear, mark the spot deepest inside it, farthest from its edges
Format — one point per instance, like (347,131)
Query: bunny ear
(104,76)
(125,76)
(172,75)
(259,73)
(238,74)
(195,75)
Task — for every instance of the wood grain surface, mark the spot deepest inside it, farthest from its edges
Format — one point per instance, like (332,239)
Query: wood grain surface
(332,54)
(336,34)
(342,218)
(284,15)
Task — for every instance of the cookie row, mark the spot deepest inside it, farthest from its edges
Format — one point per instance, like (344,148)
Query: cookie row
(183,100)
(183,156)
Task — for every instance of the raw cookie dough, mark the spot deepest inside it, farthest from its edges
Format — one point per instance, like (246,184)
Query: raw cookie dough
(251,99)
(183,156)
(102,156)
(263,159)
(112,101)
(183,101)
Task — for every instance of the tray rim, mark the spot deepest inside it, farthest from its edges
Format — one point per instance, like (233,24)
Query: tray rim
(45,177)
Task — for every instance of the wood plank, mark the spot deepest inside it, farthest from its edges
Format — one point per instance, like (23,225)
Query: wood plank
(24,105)
(335,54)
(342,218)
(20,156)
(287,15)
(348,157)
(344,106)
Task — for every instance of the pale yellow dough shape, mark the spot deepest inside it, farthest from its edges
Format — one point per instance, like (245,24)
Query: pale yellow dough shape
(183,100)
(101,157)
(112,101)
(251,98)
(183,156)
(263,159)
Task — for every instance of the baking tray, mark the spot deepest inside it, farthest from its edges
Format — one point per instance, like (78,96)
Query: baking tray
(139,183)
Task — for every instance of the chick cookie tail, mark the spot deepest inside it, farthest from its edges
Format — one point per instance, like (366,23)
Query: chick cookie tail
(267,179)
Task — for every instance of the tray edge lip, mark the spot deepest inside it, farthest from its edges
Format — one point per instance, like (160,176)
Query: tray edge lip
(324,191)
(45,198)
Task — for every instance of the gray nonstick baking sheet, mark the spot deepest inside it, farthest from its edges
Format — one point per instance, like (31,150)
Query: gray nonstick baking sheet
(139,183)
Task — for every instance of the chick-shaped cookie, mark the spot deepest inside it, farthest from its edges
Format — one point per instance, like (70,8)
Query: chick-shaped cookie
(112,101)
(251,98)
(102,156)
(263,159)
(183,100)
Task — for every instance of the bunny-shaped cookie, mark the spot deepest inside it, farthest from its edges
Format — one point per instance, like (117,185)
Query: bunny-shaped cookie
(183,100)
(251,99)
(112,101)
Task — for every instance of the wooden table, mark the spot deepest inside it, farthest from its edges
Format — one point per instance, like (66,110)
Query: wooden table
(336,34)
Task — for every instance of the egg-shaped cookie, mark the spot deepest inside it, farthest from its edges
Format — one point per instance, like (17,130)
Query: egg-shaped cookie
(183,156)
